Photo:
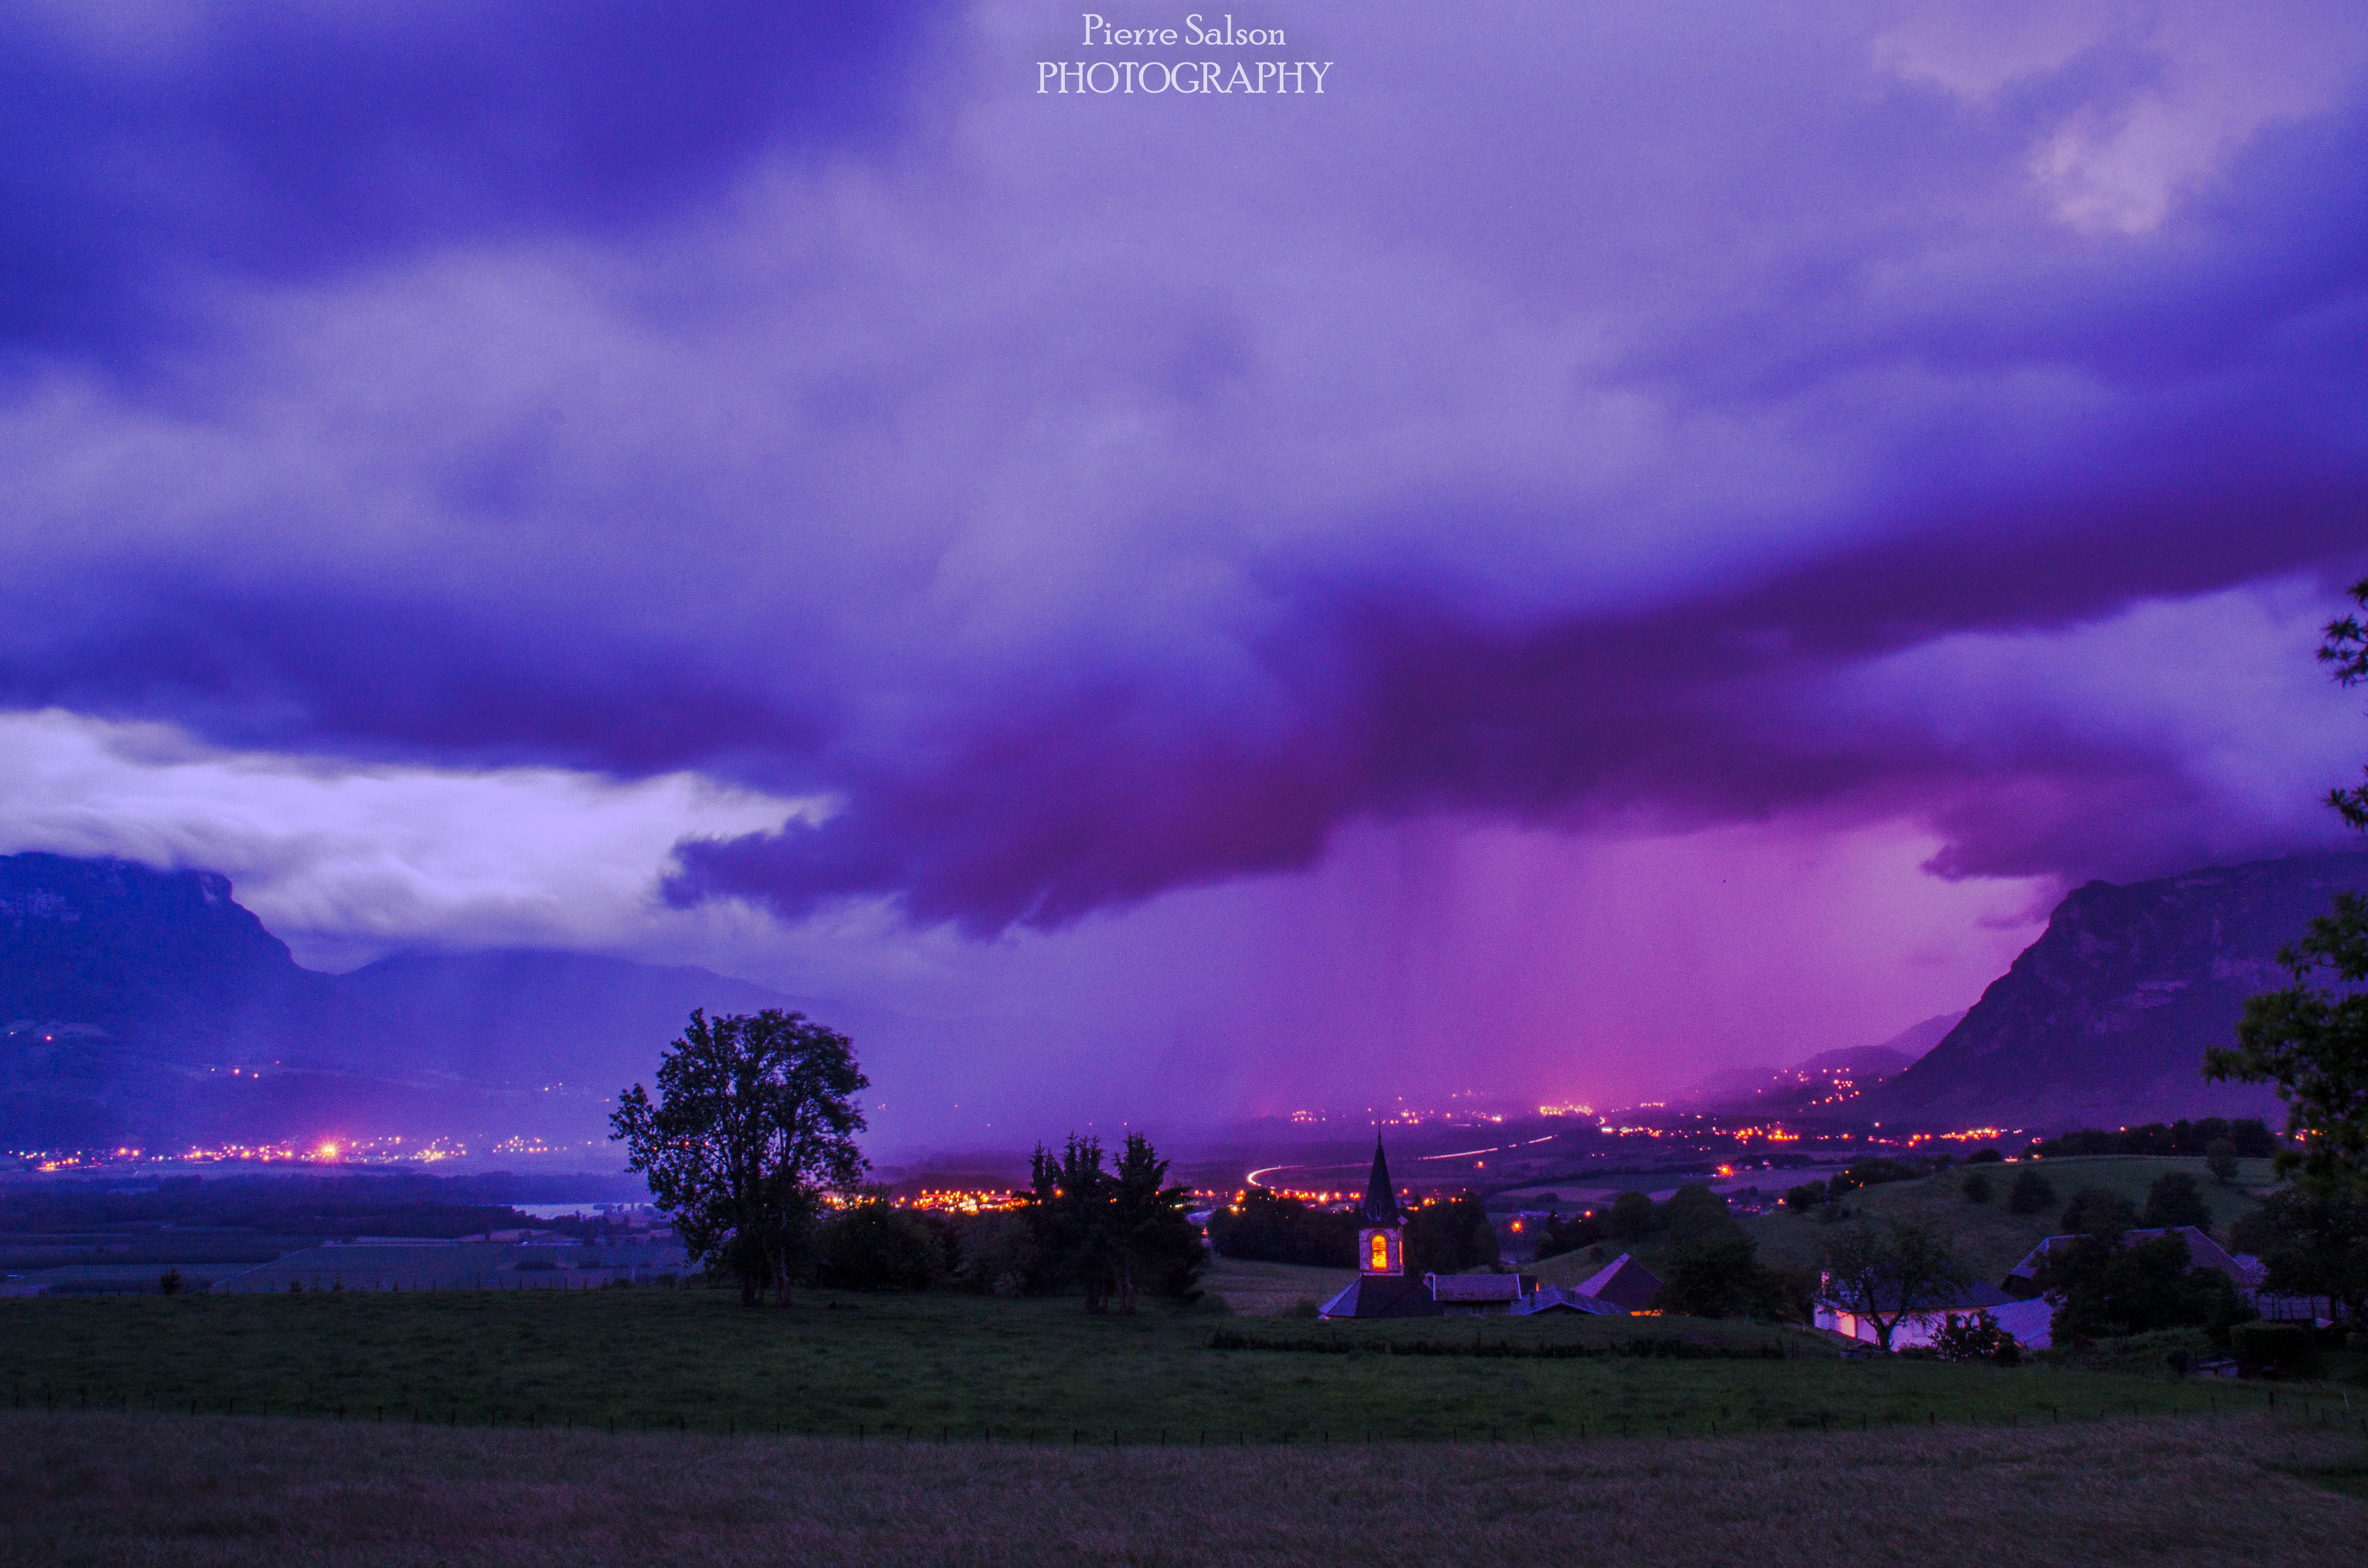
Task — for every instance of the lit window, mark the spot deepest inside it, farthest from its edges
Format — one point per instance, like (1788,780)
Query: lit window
(1381,1252)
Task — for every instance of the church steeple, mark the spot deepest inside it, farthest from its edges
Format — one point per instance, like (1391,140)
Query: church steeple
(1381,1243)
(1381,1205)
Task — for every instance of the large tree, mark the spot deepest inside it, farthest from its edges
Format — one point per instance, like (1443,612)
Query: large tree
(1154,1244)
(1068,1212)
(2310,1039)
(754,1124)
(1886,1276)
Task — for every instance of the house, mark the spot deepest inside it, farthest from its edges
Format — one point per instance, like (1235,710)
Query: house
(2202,1251)
(2244,1271)
(1922,1328)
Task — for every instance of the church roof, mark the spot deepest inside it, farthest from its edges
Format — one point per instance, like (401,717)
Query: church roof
(1381,1205)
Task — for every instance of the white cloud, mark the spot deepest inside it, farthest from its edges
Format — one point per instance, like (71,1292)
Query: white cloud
(345,860)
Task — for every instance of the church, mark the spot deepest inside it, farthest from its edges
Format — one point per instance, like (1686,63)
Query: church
(1383,1289)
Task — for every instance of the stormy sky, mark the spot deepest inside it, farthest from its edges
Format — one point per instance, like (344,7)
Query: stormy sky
(1613,542)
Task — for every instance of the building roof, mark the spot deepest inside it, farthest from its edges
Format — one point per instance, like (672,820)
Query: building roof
(1385,1296)
(1473,1287)
(1981,1294)
(1624,1283)
(1381,1204)
(2031,1322)
(1553,1299)
(2202,1251)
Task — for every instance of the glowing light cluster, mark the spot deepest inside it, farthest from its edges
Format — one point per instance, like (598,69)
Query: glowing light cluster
(963,1201)
(327,1152)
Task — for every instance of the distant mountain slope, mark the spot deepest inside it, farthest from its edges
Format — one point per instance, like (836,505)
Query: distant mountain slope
(1823,1083)
(113,947)
(518,1017)
(2104,1021)
(129,995)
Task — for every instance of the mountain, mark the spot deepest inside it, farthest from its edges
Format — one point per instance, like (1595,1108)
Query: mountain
(1824,1081)
(147,1007)
(2104,1021)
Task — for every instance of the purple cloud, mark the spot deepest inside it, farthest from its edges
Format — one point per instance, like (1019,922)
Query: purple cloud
(1095,499)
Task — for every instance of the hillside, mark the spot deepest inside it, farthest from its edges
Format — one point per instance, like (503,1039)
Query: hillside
(1990,1238)
(2104,1021)
(147,1007)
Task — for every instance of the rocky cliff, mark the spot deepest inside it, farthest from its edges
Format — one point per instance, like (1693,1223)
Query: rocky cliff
(2104,1021)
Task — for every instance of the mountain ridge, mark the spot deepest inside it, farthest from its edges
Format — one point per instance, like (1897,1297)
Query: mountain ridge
(149,1006)
(2104,1019)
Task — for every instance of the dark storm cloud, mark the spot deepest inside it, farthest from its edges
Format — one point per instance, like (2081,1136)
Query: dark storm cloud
(151,146)
(1087,516)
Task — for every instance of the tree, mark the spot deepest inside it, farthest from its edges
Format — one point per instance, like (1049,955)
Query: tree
(1559,1235)
(1977,1188)
(1451,1237)
(1068,1211)
(1719,1277)
(2093,1212)
(2104,1286)
(2220,1156)
(2176,1199)
(1695,1216)
(1632,1218)
(1976,1339)
(1151,1239)
(2032,1193)
(1268,1228)
(2314,1242)
(754,1121)
(2310,1040)
(1111,1232)
(871,1245)
(1889,1275)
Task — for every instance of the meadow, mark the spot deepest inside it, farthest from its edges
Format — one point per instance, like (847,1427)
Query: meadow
(2226,1492)
(983,1368)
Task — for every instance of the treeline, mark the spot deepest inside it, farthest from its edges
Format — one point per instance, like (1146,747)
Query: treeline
(1874,1171)
(1447,1237)
(293,1206)
(1109,1233)
(2250,1138)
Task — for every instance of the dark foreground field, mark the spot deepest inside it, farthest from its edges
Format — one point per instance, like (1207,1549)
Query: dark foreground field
(194,1491)
(980,1367)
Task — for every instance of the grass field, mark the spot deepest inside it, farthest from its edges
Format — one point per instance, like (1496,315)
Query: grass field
(207,1493)
(1992,1240)
(1270,1289)
(969,1365)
